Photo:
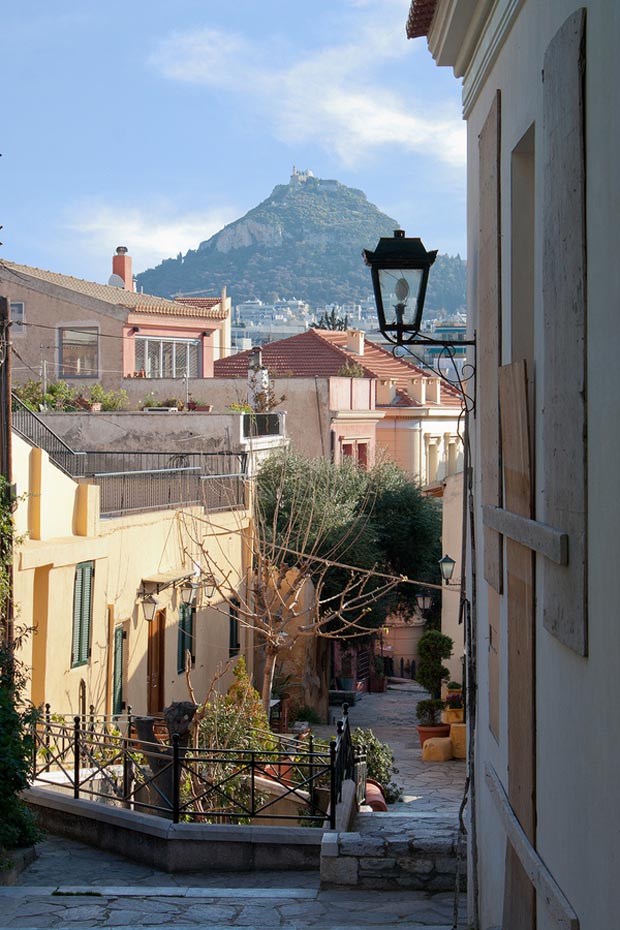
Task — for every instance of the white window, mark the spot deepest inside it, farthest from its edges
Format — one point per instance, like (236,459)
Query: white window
(168,358)
(17,317)
(79,353)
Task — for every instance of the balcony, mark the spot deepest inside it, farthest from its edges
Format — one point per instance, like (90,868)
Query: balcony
(136,481)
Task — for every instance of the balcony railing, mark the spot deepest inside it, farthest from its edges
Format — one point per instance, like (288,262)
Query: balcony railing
(141,481)
(99,758)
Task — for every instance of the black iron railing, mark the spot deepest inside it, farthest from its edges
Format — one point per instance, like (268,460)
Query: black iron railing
(138,481)
(37,433)
(99,758)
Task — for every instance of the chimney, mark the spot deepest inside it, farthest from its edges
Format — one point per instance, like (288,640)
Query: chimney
(433,390)
(418,387)
(121,266)
(386,392)
(355,341)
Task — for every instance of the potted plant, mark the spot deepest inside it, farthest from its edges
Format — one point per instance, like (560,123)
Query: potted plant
(428,713)
(454,711)
(378,680)
(433,648)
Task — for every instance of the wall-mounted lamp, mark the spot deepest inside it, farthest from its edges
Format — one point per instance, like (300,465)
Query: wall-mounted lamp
(400,269)
(446,566)
(188,592)
(149,606)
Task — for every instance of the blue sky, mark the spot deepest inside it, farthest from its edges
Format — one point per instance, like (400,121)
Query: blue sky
(152,124)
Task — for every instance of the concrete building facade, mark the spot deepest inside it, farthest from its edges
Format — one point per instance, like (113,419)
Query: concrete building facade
(544,284)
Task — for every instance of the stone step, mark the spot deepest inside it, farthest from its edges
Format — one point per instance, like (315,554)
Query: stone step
(420,853)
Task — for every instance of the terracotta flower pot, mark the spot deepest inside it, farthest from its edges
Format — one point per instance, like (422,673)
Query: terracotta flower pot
(440,729)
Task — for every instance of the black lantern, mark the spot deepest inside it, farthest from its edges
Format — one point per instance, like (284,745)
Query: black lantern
(400,268)
(446,566)
(424,601)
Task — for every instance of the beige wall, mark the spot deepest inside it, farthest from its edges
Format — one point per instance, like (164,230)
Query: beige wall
(422,441)
(451,542)
(577,757)
(125,550)
(320,412)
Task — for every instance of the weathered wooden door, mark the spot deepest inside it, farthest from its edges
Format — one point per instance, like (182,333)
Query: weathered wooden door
(155,664)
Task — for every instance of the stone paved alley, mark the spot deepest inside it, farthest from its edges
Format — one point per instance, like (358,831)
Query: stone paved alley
(74,886)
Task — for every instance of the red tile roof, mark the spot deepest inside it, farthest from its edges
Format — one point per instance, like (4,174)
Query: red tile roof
(421,14)
(322,353)
(210,304)
(116,296)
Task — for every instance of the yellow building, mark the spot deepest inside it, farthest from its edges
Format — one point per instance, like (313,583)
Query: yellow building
(91,552)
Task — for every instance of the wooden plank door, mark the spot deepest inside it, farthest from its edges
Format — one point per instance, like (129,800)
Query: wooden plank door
(519,897)
(155,664)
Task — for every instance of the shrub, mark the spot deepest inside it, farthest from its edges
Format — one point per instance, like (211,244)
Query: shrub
(429,711)
(432,648)
(379,762)
(309,714)
(17,824)
(109,400)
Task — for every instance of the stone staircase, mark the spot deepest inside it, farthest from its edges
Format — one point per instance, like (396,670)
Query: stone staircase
(395,851)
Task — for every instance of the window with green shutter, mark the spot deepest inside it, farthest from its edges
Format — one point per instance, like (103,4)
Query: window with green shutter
(186,636)
(82,613)
(233,629)
(118,705)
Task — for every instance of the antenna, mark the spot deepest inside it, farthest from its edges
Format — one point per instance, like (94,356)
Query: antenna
(115,280)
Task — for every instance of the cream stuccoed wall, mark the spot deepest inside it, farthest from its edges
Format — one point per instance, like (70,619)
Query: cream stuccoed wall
(577,754)
(125,550)
(451,543)
(423,442)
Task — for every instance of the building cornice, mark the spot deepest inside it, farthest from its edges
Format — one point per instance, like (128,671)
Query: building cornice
(476,63)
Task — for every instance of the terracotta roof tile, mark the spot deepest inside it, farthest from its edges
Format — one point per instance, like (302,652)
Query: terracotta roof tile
(115,296)
(421,14)
(323,354)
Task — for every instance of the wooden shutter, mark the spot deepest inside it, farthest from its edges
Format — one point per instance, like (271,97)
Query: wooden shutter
(117,675)
(82,613)
(564,315)
(185,639)
(489,335)
(233,630)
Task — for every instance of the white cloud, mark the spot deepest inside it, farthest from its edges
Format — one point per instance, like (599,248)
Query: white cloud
(334,96)
(150,235)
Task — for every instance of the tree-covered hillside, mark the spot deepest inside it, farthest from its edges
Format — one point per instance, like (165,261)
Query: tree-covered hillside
(305,242)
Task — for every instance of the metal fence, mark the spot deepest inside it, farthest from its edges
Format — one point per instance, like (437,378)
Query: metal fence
(140,481)
(98,758)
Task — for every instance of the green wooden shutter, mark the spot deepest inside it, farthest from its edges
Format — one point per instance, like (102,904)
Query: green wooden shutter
(82,613)
(185,639)
(117,675)
(233,630)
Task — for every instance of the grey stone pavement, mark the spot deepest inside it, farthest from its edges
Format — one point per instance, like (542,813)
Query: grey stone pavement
(74,886)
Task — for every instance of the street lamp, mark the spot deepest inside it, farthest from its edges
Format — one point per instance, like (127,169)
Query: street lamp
(424,601)
(446,566)
(399,268)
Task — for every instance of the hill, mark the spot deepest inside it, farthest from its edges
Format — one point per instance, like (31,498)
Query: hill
(305,242)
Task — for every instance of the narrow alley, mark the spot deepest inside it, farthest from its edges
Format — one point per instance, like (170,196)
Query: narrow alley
(74,886)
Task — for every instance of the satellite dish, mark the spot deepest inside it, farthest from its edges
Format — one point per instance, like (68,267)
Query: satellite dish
(115,280)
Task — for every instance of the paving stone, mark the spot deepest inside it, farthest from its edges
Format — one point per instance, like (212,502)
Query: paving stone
(353,844)
(376,867)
